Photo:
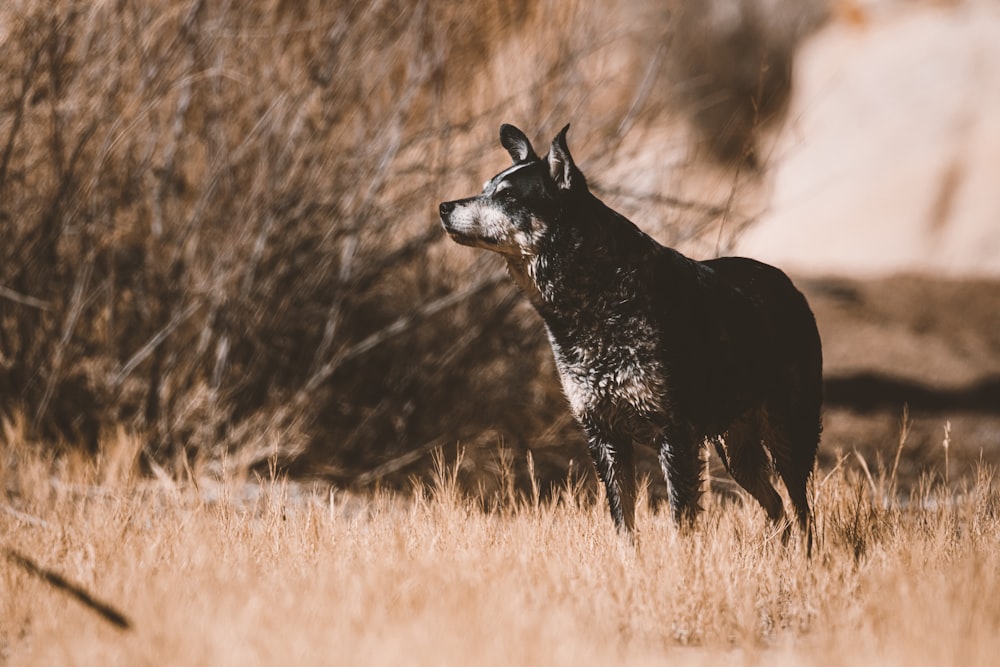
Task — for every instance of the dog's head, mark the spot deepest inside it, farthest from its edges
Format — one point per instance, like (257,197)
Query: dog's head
(517,206)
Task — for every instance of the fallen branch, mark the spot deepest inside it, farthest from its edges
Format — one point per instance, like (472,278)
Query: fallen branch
(104,610)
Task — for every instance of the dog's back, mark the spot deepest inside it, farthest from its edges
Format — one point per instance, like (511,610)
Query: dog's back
(747,335)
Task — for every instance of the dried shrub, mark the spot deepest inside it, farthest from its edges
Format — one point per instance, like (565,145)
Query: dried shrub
(220,226)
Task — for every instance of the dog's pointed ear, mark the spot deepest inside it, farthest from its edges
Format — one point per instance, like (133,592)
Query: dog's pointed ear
(517,144)
(562,169)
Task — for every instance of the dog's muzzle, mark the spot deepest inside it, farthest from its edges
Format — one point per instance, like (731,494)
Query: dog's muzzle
(462,233)
(445,210)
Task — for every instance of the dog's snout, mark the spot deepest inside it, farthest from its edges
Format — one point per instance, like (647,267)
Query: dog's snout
(446,208)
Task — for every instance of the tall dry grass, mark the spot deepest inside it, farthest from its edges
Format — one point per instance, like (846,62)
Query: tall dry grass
(262,571)
(220,262)
(219,226)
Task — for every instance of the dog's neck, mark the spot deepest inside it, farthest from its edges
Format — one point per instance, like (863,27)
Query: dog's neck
(586,254)
(521,269)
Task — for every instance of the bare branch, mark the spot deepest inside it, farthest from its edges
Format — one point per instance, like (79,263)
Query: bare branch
(399,326)
(23,299)
(56,580)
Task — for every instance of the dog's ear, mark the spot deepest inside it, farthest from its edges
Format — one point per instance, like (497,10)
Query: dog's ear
(562,169)
(517,144)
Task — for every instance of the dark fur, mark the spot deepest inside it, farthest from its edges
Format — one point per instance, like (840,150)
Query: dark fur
(654,346)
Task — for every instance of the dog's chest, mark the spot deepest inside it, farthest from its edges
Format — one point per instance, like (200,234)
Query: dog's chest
(602,376)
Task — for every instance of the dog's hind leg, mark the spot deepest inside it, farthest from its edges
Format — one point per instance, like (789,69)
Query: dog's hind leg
(793,437)
(614,458)
(683,467)
(749,465)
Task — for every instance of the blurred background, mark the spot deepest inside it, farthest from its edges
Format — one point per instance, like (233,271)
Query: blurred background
(219,221)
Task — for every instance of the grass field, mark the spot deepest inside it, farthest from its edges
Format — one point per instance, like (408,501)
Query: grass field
(232,334)
(261,571)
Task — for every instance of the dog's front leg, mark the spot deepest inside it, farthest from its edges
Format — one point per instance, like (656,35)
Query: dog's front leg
(614,458)
(683,467)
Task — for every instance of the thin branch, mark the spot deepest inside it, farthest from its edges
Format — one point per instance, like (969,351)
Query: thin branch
(25,518)
(396,464)
(56,580)
(23,299)
(394,329)
(75,311)
(26,84)
(154,342)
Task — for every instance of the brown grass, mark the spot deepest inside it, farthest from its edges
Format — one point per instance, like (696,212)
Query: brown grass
(220,263)
(263,571)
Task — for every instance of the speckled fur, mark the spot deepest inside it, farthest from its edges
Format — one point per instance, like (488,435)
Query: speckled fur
(654,346)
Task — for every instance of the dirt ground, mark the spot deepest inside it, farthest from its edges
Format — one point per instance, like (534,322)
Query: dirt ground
(929,344)
(885,173)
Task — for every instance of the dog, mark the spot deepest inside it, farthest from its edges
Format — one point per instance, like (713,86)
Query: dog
(653,346)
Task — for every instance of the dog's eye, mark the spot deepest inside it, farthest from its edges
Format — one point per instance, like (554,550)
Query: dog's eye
(502,187)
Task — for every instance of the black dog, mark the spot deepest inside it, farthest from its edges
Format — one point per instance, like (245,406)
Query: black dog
(652,345)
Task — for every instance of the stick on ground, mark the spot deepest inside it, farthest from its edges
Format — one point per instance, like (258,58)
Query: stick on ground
(106,611)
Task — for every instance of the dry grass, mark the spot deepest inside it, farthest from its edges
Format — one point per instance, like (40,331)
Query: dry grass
(221,260)
(268,572)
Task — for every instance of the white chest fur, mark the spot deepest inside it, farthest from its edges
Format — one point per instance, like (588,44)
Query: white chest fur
(612,379)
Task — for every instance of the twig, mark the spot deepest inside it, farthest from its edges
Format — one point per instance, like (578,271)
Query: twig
(27,81)
(647,84)
(395,328)
(154,342)
(75,310)
(23,299)
(407,321)
(396,464)
(26,518)
(707,210)
(103,609)
(347,253)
